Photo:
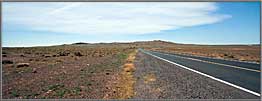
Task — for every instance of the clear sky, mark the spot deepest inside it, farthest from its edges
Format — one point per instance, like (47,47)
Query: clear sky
(50,23)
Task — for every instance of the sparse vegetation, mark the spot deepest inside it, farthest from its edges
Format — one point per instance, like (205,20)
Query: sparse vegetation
(14,93)
(77,90)
(122,56)
(67,71)
(91,71)
(55,87)
(60,93)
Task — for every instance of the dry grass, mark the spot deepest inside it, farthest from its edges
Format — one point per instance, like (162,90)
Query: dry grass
(149,78)
(127,81)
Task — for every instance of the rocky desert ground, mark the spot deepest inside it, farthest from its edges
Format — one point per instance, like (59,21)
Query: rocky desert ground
(63,71)
(111,71)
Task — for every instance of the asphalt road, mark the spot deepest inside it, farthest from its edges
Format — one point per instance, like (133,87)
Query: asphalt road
(242,74)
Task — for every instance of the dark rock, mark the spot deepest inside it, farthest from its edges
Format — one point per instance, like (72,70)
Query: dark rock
(231,56)
(64,53)
(47,56)
(7,62)
(78,54)
(22,65)
(80,43)
(34,70)
(4,53)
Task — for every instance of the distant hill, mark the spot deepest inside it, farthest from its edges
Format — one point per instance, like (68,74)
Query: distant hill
(156,43)
(79,43)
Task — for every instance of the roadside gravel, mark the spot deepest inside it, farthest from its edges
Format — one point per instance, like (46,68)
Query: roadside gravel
(157,79)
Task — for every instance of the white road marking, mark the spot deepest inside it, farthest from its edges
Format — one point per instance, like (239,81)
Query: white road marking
(238,67)
(225,82)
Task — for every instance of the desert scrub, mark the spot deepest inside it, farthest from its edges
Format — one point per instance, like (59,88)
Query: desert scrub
(57,91)
(14,93)
(125,86)
(55,87)
(113,64)
(88,83)
(63,73)
(31,95)
(122,56)
(77,90)
(61,92)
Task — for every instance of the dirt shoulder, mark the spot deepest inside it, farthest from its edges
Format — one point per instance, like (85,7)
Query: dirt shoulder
(157,79)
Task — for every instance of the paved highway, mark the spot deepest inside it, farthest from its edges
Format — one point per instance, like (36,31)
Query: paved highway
(242,75)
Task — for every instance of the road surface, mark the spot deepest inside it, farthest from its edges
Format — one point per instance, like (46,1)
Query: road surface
(241,75)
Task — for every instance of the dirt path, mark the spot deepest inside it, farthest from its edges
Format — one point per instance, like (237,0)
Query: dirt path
(160,80)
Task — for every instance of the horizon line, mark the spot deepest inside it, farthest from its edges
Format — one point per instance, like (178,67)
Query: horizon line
(129,42)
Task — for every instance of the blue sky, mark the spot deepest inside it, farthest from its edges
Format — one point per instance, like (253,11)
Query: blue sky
(40,24)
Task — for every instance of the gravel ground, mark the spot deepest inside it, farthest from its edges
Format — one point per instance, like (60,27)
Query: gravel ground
(157,79)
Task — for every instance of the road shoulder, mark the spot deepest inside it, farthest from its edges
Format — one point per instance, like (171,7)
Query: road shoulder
(158,79)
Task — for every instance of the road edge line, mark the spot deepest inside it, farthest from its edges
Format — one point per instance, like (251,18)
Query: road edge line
(214,78)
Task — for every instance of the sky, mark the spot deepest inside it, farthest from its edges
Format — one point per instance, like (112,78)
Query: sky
(27,24)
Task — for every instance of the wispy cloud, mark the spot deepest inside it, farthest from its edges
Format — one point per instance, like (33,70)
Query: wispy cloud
(65,7)
(110,18)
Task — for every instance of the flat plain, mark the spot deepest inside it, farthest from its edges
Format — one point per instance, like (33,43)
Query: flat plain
(113,71)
